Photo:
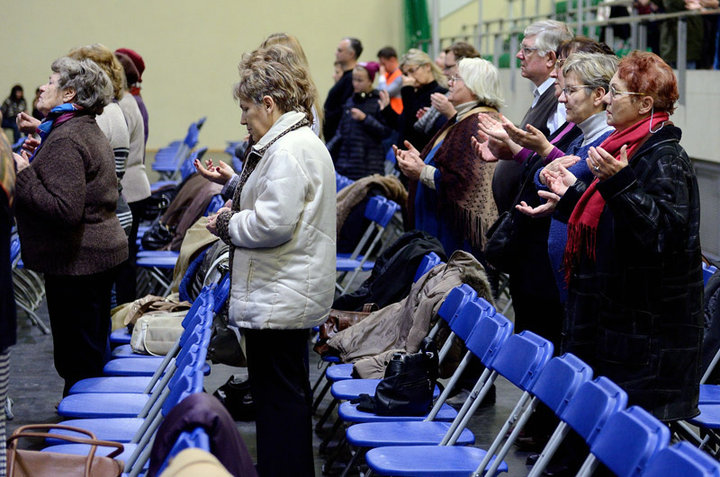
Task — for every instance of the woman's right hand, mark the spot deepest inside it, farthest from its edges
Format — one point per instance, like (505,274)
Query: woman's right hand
(218,173)
(27,123)
(532,139)
(542,210)
(559,182)
(554,166)
(409,161)
(384,100)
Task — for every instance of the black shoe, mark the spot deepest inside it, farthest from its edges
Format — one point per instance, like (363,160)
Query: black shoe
(237,398)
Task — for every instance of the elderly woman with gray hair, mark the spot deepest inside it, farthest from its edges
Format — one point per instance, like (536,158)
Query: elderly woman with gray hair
(281,229)
(450,192)
(66,195)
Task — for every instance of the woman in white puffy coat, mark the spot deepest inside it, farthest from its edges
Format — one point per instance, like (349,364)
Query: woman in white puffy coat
(281,226)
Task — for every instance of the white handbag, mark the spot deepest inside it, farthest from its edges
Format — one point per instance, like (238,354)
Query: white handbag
(155,333)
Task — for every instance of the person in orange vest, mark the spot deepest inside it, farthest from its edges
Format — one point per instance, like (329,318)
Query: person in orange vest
(390,77)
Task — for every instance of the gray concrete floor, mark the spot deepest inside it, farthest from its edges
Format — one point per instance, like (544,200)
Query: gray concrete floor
(36,389)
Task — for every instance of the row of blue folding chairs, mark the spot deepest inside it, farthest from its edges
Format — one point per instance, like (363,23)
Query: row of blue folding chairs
(169,159)
(379,211)
(28,286)
(128,404)
(629,441)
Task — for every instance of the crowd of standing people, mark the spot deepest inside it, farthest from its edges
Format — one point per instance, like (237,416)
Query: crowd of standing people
(606,259)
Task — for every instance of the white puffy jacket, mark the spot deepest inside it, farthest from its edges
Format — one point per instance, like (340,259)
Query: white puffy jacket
(283,273)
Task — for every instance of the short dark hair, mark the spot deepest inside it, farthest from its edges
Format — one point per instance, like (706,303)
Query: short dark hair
(462,49)
(356,45)
(387,52)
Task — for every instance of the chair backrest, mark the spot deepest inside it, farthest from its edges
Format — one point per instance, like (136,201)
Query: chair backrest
(342,182)
(381,210)
(196,439)
(682,459)
(465,320)
(193,134)
(487,307)
(591,406)
(455,300)
(628,441)
(708,271)
(489,336)
(214,205)
(522,358)
(559,381)
(429,261)
(222,292)
(189,381)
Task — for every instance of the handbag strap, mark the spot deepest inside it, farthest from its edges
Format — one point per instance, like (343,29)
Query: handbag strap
(28,431)
(527,179)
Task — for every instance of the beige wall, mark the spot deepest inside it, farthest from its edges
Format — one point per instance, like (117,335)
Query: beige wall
(191,48)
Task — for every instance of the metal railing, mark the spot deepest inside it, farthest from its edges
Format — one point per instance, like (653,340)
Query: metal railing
(500,36)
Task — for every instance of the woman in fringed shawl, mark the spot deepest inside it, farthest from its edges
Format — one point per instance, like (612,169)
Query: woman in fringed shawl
(633,263)
(450,192)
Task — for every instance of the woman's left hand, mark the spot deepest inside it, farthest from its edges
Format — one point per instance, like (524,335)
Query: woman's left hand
(560,181)
(212,220)
(21,161)
(357,114)
(603,165)
(409,161)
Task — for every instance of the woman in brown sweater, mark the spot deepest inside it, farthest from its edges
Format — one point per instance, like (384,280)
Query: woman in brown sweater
(65,206)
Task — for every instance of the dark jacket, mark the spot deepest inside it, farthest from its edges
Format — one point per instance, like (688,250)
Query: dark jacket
(635,313)
(334,102)
(65,203)
(203,410)
(357,145)
(414,99)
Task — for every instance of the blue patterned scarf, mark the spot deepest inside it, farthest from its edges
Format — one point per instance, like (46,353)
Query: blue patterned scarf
(56,116)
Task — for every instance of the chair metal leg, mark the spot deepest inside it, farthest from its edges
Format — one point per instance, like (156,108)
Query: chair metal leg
(320,396)
(326,415)
(324,444)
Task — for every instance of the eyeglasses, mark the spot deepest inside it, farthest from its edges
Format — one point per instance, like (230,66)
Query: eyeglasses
(528,50)
(568,90)
(560,62)
(614,93)
(454,78)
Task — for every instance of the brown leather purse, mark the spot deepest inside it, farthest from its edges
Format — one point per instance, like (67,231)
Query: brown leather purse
(338,321)
(30,463)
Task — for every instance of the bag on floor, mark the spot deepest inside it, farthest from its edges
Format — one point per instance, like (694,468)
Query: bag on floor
(31,463)
(156,333)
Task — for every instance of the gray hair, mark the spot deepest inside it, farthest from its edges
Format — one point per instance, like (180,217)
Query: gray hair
(92,86)
(548,35)
(592,69)
(482,78)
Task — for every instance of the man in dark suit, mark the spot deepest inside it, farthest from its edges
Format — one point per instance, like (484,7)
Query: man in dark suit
(346,55)
(537,60)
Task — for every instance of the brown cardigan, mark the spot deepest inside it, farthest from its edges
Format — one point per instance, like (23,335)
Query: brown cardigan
(65,203)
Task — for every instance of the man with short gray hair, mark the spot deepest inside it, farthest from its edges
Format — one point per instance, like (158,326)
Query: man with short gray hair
(537,61)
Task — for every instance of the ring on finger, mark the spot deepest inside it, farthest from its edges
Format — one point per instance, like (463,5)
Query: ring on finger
(596,168)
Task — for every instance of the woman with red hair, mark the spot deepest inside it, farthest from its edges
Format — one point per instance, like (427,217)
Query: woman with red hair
(633,262)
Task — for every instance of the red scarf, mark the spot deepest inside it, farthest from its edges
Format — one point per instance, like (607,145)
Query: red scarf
(584,220)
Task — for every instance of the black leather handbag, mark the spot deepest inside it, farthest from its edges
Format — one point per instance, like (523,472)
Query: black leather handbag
(408,385)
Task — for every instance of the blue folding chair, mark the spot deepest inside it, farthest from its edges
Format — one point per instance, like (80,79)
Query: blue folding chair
(168,160)
(586,413)
(682,459)
(197,439)
(484,341)
(342,182)
(626,443)
(379,211)
(187,168)
(520,361)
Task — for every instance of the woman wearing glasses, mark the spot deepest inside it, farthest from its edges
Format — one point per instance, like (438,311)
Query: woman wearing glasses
(421,78)
(450,193)
(634,310)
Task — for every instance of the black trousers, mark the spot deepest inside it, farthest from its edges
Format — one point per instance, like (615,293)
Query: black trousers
(79,309)
(278,369)
(126,282)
